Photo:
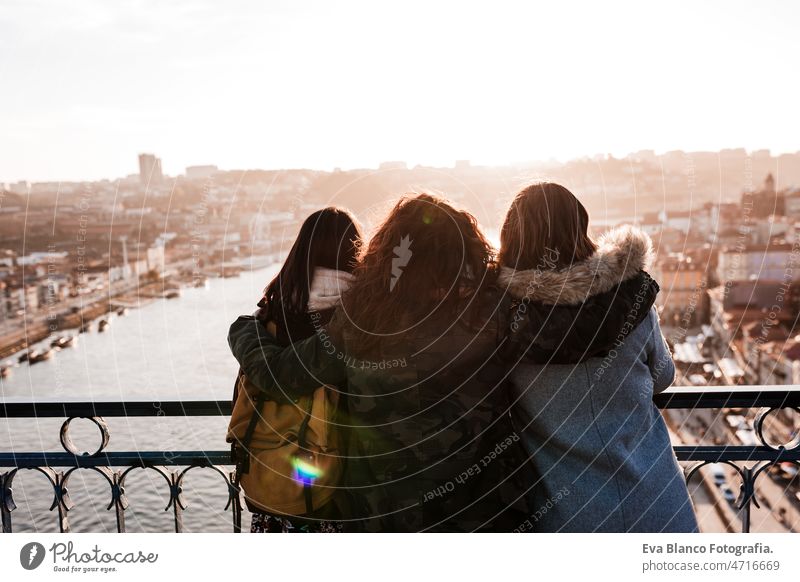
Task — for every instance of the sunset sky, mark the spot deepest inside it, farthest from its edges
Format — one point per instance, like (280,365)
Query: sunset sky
(87,85)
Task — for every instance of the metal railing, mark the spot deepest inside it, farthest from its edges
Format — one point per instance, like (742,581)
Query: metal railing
(165,463)
(173,465)
(769,399)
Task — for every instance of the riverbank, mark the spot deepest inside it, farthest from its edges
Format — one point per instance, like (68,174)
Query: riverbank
(43,326)
(32,333)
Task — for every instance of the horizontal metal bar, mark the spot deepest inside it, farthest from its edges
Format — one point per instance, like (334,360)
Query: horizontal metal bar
(676,397)
(115,459)
(718,453)
(729,397)
(63,409)
(145,458)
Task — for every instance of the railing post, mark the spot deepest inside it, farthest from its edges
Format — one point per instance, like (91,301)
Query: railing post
(119,500)
(178,506)
(6,500)
(61,501)
(748,491)
(236,501)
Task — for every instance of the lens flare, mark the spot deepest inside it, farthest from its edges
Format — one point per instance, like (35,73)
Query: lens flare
(304,471)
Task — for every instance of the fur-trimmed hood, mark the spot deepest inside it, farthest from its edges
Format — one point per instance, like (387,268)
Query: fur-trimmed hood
(621,254)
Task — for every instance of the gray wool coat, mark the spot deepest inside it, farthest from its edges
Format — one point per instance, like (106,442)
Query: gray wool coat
(599,445)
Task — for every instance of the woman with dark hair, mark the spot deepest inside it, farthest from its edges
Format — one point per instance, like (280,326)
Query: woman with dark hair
(317,270)
(265,432)
(588,355)
(430,445)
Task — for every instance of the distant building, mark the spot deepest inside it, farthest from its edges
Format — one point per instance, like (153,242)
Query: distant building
(21,187)
(678,219)
(645,156)
(150,170)
(393,166)
(200,172)
(791,203)
(763,231)
(30,298)
(778,362)
(764,202)
(654,222)
(771,262)
(651,223)
(737,303)
(156,259)
(683,300)
(724,219)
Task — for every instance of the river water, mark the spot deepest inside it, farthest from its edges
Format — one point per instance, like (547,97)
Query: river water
(166,350)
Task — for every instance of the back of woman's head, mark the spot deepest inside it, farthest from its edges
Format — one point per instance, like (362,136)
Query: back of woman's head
(425,258)
(546,227)
(329,238)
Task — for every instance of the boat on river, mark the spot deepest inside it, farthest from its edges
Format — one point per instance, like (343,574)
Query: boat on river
(39,356)
(65,341)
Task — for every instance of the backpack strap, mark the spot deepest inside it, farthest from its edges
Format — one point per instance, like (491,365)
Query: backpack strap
(234,458)
(303,443)
(242,457)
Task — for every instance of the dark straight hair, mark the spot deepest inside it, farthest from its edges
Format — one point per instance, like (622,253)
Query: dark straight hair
(546,228)
(329,238)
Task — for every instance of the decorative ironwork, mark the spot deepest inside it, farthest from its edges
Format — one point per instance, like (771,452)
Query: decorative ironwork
(164,463)
(749,462)
(770,399)
(68,445)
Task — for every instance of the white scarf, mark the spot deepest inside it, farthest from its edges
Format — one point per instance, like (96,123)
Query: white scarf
(327,287)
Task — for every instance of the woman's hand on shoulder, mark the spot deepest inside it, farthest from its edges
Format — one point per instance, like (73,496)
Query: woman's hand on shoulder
(262,315)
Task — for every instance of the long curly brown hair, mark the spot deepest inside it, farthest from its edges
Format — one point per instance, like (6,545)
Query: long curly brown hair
(426,258)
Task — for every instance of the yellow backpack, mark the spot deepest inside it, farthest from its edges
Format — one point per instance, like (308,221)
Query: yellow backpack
(287,454)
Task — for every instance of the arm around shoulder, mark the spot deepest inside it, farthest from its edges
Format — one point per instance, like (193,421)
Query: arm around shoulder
(284,373)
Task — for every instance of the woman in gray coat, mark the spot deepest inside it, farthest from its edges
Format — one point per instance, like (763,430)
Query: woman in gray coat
(588,356)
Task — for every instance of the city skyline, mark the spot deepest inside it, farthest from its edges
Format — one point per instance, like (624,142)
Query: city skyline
(87,86)
(209,168)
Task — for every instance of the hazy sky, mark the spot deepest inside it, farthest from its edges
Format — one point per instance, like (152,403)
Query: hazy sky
(87,85)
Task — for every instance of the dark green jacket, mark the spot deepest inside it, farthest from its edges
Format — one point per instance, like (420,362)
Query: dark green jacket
(430,444)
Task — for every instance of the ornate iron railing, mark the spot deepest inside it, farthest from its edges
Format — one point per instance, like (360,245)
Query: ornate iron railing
(174,465)
(115,466)
(767,398)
